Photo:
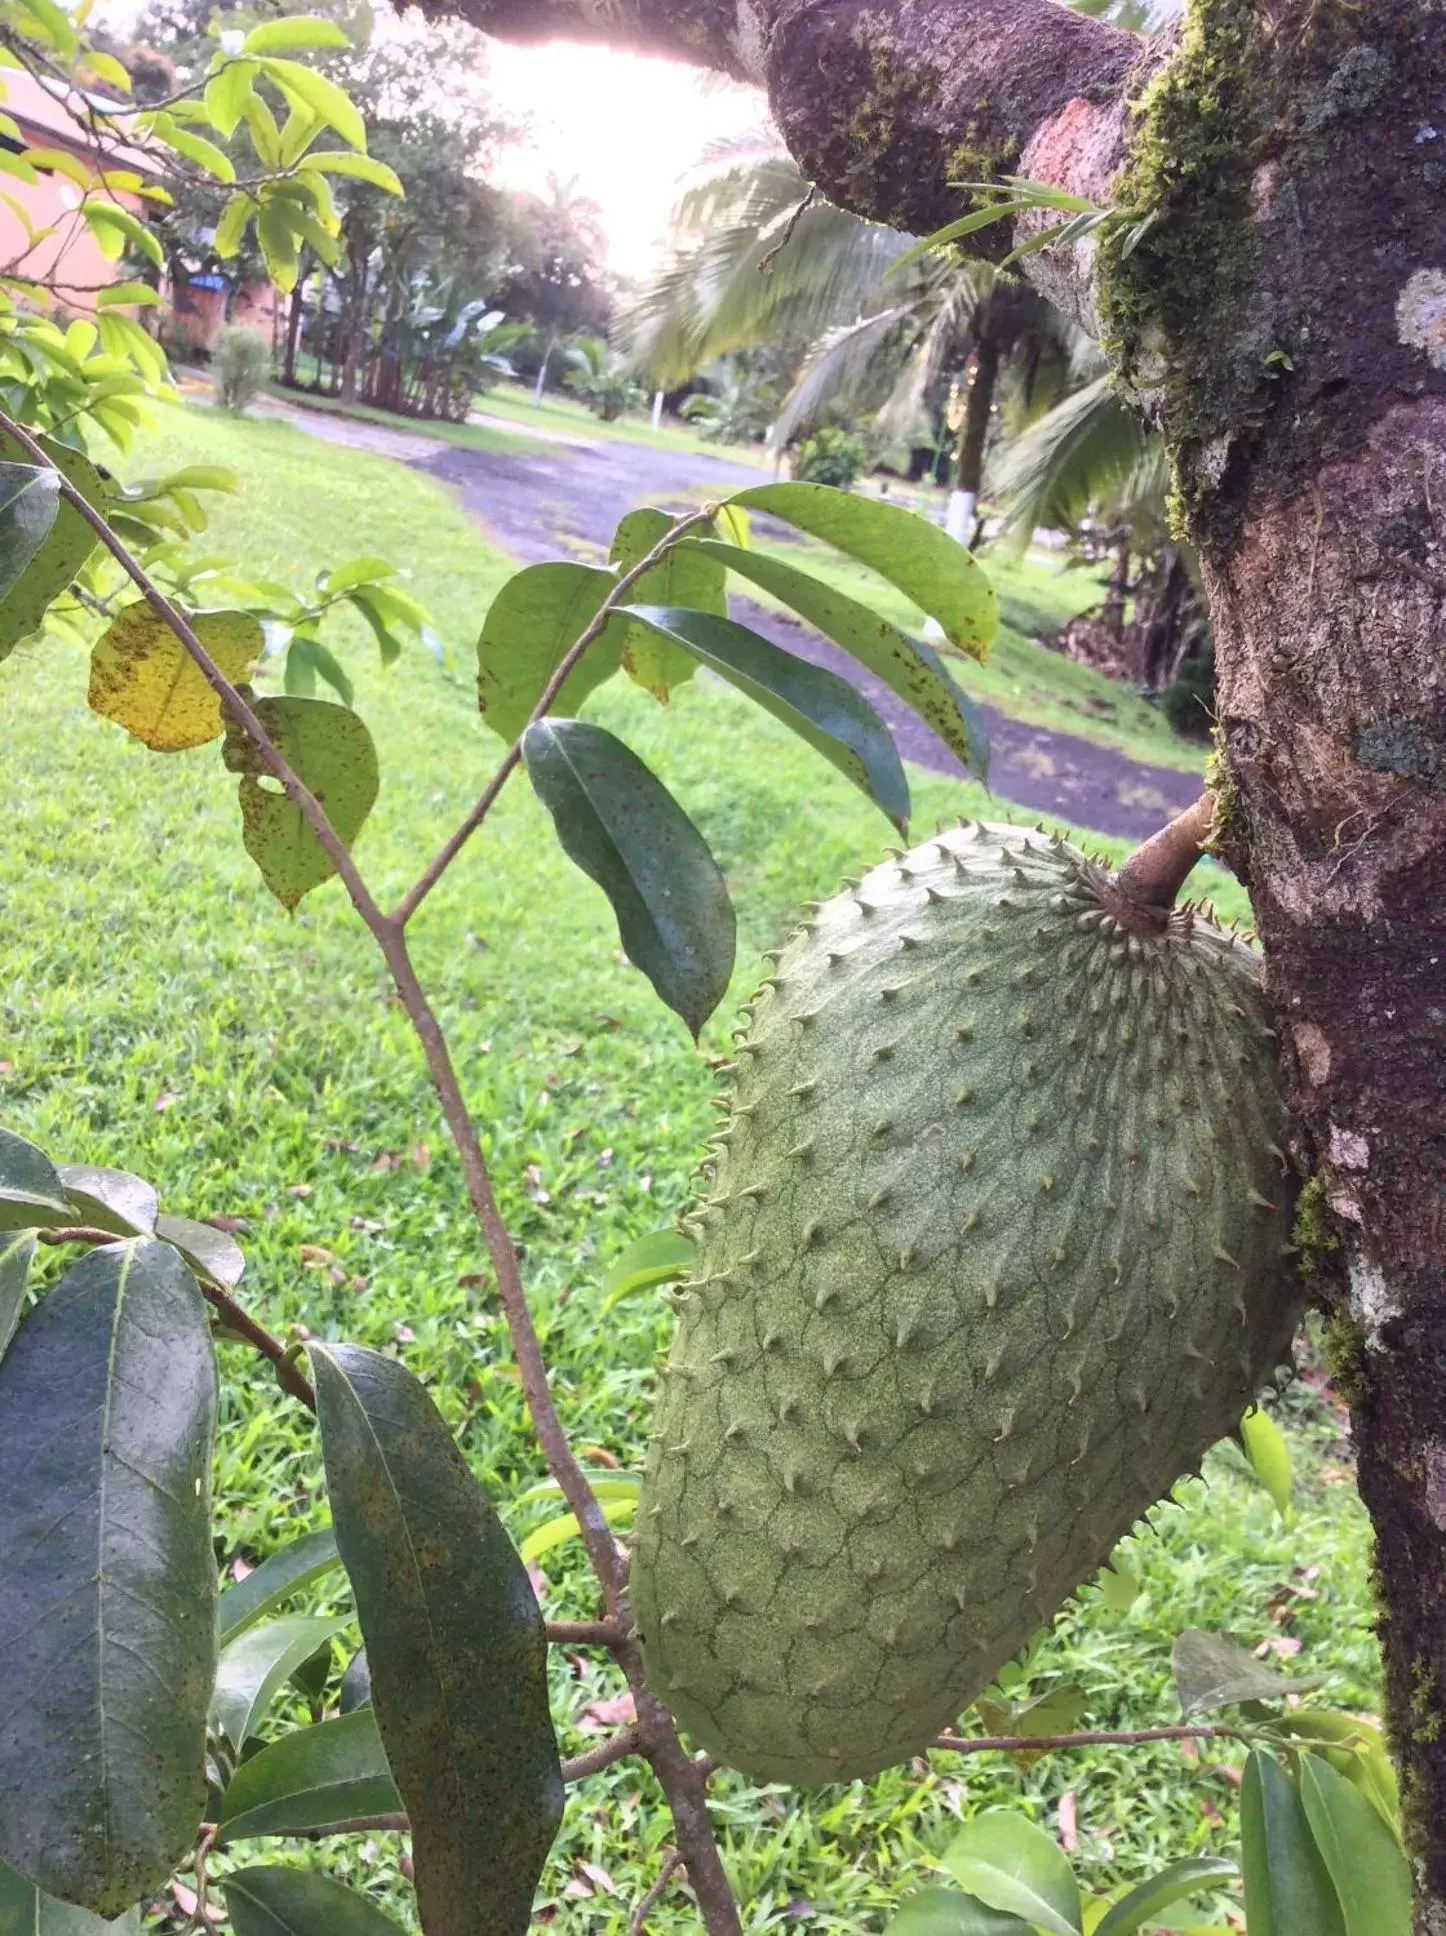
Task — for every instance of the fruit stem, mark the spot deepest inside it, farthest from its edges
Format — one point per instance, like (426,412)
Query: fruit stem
(1148,882)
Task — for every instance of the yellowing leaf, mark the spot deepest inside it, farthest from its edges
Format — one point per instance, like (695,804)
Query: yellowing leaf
(143,678)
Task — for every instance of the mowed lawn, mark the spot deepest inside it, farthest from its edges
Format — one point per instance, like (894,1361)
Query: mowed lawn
(160,1012)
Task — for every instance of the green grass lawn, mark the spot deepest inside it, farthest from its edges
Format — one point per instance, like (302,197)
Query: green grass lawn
(162,1013)
(558,411)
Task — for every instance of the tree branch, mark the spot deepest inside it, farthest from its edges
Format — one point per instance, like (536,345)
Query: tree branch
(672,1862)
(679,1776)
(1093,1738)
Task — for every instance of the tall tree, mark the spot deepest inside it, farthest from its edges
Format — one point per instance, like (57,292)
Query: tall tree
(1283,318)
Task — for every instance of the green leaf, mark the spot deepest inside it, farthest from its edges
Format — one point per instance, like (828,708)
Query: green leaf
(557,1532)
(455,1645)
(278,243)
(356,1684)
(310,1778)
(1287,1889)
(114,226)
(60,559)
(923,562)
(31,1192)
(341,161)
(232,225)
(1118,1583)
(538,614)
(1177,1883)
(657,1258)
(200,477)
(826,711)
(143,678)
(298,30)
(1269,1457)
(366,570)
(29,500)
(906,666)
(305,87)
(257,1664)
(121,295)
(1012,1866)
(209,1252)
(1371,1875)
(944,1912)
(330,750)
(107,1580)
(195,147)
(1212,1671)
(299,1902)
(307,657)
(1354,1748)
(17,1253)
(622,827)
(289,1570)
(110,1199)
(606,1483)
(228,93)
(683,578)
(25,1912)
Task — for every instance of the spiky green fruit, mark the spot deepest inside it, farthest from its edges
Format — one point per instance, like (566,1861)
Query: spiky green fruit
(994,1251)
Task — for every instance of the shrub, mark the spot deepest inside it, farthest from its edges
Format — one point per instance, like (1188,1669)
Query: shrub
(831,457)
(243,363)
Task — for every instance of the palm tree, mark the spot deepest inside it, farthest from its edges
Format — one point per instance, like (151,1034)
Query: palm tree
(758,257)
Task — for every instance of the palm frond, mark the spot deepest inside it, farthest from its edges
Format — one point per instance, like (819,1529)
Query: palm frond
(1089,453)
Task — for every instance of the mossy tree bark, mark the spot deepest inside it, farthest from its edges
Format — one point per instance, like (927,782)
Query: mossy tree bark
(1284,320)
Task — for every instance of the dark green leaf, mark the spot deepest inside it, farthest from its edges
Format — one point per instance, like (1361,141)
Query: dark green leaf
(455,1645)
(1287,1889)
(306,660)
(107,1581)
(1176,1884)
(31,1192)
(290,1570)
(59,559)
(17,1250)
(208,1251)
(944,1912)
(683,578)
(257,1664)
(1269,1457)
(309,1778)
(356,1683)
(1014,1867)
(110,1199)
(906,666)
(923,562)
(1371,1875)
(1354,1748)
(1212,1671)
(299,1902)
(622,827)
(328,748)
(655,1259)
(820,707)
(29,500)
(529,626)
(25,1912)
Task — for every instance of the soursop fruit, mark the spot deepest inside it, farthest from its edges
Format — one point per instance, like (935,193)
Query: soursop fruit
(995,1248)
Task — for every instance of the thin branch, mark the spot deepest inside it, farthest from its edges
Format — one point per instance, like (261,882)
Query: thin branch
(1095,1738)
(770,256)
(423,886)
(585,1633)
(682,1781)
(672,1862)
(617,1747)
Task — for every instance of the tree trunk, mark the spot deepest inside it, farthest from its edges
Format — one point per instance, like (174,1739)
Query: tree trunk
(1162,641)
(1283,317)
(293,330)
(542,370)
(973,437)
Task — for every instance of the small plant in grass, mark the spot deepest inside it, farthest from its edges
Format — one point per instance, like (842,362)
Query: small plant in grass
(155,1746)
(831,456)
(241,364)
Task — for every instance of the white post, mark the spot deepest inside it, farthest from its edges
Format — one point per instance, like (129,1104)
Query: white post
(657,409)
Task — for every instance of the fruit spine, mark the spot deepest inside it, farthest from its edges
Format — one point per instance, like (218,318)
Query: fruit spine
(994,1251)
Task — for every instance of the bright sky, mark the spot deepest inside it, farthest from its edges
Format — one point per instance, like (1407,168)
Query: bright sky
(630,128)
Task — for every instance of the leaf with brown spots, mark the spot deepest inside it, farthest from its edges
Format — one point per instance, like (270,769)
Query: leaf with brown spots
(143,678)
(455,1646)
(331,751)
